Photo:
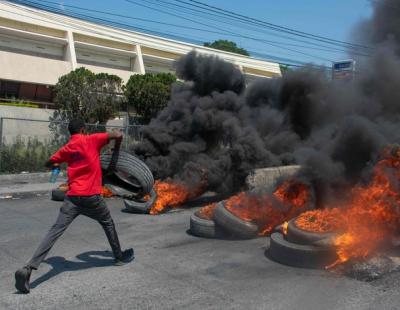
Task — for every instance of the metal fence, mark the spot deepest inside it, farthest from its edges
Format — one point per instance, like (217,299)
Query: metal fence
(25,144)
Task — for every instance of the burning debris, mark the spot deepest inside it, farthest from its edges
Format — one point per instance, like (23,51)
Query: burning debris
(215,131)
(290,199)
(263,212)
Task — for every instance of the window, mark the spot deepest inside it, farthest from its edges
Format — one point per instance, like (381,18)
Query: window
(25,91)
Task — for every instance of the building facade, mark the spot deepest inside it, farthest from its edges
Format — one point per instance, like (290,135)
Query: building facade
(37,47)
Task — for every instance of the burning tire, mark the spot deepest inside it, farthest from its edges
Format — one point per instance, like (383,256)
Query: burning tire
(301,236)
(57,194)
(129,169)
(202,227)
(234,225)
(140,205)
(299,255)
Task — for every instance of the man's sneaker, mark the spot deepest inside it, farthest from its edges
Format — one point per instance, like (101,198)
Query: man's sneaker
(127,256)
(22,277)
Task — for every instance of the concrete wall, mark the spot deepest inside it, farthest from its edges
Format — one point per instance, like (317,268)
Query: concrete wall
(13,128)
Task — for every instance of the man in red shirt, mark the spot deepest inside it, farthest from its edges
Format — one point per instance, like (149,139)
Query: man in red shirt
(82,154)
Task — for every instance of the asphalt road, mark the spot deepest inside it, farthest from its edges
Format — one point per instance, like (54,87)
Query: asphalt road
(171,270)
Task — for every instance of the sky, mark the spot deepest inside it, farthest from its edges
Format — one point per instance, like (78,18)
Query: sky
(329,18)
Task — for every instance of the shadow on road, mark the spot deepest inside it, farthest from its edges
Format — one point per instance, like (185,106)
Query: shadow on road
(91,259)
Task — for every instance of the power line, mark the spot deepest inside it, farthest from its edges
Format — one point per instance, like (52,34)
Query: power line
(259,40)
(236,20)
(274,26)
(235,24)
(228,32)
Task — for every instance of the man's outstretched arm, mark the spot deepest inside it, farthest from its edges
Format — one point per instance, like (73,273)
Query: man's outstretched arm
(57,158)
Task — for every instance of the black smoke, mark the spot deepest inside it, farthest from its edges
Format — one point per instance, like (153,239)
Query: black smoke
(215,127)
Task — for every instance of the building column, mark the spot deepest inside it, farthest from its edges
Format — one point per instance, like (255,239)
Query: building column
(138,64)
(70,54)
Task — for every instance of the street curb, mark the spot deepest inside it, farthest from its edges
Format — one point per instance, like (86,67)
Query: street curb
(25,176)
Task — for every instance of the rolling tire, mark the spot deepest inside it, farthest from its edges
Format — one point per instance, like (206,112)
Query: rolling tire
(202,227)
(140,206)
(234,225)
(130,169)
(299,255)
(301,236)
(57,194)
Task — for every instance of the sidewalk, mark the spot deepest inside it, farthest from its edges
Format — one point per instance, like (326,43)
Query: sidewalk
(23,184)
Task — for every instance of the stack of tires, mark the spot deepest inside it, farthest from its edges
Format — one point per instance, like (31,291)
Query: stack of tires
(301,248)
(224,223)
(127,177)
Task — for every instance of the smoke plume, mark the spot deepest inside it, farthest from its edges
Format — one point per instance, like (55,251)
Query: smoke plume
(216,127)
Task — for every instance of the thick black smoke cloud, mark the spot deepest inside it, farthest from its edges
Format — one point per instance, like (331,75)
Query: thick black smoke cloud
(215,127)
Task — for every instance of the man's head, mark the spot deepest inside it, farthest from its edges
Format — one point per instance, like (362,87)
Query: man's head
(76,125)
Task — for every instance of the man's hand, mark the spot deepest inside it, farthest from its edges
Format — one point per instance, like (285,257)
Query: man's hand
(49,164)
(117,136)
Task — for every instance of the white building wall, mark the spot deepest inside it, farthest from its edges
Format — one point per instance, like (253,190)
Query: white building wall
(32,69)
(41,26)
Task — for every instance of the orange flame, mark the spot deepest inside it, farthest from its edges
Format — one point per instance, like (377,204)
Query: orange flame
(326,220)
(373,214)
(368,218)
(207,212)
(106,192)
(171,195)
(285,227)
(261,209)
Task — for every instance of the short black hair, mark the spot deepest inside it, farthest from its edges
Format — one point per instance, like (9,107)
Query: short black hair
(75,125)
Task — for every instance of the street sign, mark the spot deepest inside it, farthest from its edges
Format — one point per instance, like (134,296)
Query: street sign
(343,70)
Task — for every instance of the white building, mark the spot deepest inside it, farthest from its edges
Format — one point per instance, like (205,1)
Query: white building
(37,47)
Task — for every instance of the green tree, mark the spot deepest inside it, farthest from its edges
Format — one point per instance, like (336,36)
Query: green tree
(83,94)
(284,68)
(95,98)
(149,93)
(227,46)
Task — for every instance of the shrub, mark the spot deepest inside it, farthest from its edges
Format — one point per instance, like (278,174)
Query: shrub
(20,104)
(149,93)
(25,155)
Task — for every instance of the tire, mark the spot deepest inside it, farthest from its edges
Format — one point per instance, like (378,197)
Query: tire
(202,227)
(140,206)
(299,255)
(57,194)
(130,169)
(234,225)
(121,191)
(301,236)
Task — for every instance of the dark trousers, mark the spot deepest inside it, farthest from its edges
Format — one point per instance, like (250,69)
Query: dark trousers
(91,206)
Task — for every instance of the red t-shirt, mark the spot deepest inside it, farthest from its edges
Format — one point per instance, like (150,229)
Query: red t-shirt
(82,154)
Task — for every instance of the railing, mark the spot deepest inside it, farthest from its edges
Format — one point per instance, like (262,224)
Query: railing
(25,144)
(39,104)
